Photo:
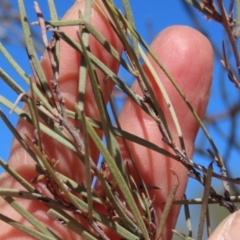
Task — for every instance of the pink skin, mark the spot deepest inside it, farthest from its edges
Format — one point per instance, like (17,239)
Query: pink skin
(187,55)
(228,229)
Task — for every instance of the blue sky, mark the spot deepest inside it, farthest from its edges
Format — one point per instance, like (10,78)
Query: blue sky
(150,17)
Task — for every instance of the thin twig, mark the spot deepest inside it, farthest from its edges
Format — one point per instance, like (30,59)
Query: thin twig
(232,40)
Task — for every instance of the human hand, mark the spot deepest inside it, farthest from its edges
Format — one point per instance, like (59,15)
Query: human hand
(186,54)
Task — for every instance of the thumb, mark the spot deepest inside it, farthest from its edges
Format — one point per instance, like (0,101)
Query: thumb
(228,228)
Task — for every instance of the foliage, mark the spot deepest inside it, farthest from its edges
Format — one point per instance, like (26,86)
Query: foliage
(68,196)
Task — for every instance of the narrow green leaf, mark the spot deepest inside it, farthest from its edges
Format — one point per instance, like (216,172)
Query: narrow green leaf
(119,179)
(14,64)
(166,210)
(43,127)
(130,18)
(17,135)
(114,112)
(16,176)
(87,165)
(166,98)
(128,136)
(111,197)
(34,116)
(82,82)
(97,35)
(24,76)
(30,218)
(71,224)
(133,138)
(207,186)
(31,51)
(52,9)
(13,85)
(15,193)
(84,35)
(29,230)
(112,143)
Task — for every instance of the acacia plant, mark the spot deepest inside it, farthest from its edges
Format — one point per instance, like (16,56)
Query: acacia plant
(123,201)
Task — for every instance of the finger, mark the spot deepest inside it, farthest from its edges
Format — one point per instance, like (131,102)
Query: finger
(68,164)
(188,56)
(228,228)
(68,83)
